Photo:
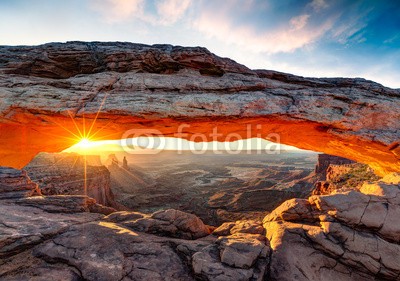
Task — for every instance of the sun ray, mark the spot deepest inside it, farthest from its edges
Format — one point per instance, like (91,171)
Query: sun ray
(84,123)
(97,113)
(73,165)
(76,125)
(83,136)
(102,128)
(135,177)
(66,129)
(85,175)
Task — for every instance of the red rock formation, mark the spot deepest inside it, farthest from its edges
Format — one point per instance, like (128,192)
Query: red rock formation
(344,177)
(325,160)
(64,174)
(45,89)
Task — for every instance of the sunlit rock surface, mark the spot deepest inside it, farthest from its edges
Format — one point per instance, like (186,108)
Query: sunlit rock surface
(349,235)
(161,87)
(170,222)
(341,174)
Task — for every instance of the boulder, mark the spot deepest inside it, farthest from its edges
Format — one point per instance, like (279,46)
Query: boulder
(22,226)
(242,250)
(172,223)
(207,265)
(242,226)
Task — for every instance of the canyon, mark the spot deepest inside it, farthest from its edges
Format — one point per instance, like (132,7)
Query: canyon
(55,94)
(350,234)
(216,187)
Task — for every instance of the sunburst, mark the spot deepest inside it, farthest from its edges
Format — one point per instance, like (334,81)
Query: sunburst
(83,136)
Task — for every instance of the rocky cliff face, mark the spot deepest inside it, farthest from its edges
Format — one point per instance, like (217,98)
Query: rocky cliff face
(16,184)
(44,89)
(325,160)
(344,177)
(64,174)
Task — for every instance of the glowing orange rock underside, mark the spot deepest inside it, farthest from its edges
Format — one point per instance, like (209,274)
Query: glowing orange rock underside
(20,142)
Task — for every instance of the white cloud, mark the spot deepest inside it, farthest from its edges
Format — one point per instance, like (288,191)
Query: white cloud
(118,10)
(170,11)
(318,5)
(294,35)
(299,22)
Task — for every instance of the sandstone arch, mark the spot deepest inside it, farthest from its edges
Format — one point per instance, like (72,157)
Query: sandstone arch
(45,90)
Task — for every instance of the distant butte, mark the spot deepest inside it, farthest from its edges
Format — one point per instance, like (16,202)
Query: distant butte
(163,86)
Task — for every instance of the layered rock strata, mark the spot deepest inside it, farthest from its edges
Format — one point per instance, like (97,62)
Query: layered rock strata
(48,91)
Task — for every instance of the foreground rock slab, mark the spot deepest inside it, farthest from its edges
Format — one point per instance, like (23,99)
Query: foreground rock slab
(23,227)
(87,246)
(68,237)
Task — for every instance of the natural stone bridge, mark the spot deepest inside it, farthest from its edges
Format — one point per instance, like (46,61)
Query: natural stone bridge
(47,91)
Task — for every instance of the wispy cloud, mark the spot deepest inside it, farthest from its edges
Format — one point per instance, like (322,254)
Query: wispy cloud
(115,11)
(345,31)
(299,22)
(392,39)
(350,29)
(170,11)
(295,34)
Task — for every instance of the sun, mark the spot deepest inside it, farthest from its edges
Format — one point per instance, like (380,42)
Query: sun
(84,146)
(84,143)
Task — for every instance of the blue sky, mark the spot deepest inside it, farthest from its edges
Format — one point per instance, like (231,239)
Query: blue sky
(321,38)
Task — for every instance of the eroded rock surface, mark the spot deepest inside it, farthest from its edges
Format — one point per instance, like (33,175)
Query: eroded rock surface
(22,227)
(346,235)
(161,87)
(16,184)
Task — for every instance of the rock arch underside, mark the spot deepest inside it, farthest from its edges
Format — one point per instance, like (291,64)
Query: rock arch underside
(44,88)
(50,92)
